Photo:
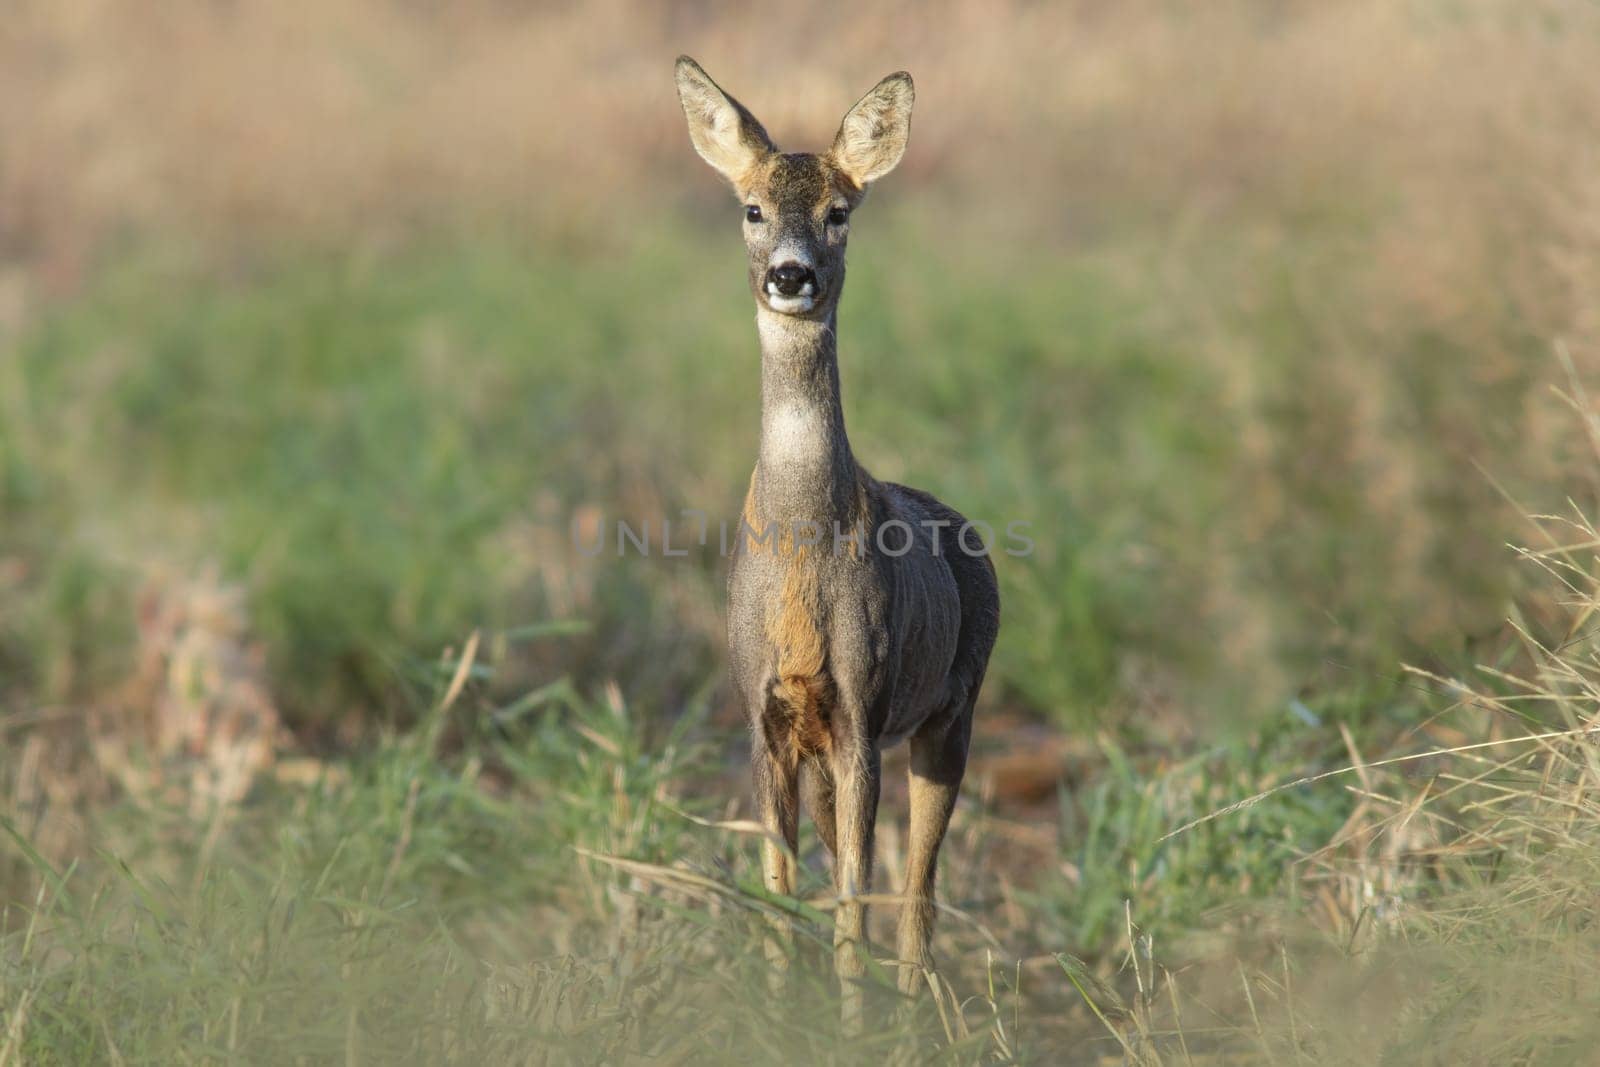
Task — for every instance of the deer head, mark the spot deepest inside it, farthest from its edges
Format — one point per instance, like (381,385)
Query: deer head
(796,206)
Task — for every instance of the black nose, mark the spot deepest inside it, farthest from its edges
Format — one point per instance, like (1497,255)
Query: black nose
(790,278)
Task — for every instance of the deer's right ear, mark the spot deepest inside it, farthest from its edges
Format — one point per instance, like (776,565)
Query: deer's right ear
(725,134)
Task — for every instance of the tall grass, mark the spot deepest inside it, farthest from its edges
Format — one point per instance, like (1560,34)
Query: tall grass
(536,889)
(550,881)
(1455,903)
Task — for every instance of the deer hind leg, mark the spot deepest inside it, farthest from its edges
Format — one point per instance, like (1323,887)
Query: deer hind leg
(938,761)
(777,801)
(817,793)
(856,776)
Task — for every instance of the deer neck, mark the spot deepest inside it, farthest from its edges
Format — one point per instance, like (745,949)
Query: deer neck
(805,472)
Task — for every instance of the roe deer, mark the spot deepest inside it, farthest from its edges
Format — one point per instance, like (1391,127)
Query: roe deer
(837,653)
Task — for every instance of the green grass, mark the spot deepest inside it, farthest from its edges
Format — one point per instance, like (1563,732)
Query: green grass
(1114,834)
(412,908)
(386,451)
(545,881)
(1241,527)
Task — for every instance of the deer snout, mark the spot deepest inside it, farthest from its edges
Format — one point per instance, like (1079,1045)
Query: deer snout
(791,279)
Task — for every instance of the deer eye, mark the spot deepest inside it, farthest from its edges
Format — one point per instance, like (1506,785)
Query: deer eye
(838,216)
(752,213)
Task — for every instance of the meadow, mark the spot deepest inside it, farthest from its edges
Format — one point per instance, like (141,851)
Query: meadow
(327,339)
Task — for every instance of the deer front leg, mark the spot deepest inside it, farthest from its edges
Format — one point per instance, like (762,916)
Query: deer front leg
(938,761)
(856,771)
(777,801)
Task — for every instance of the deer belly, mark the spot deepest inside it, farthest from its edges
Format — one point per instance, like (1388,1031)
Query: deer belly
(930,629)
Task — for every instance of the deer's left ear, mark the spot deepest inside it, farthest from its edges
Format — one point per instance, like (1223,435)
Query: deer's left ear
(873,136)
(724,132)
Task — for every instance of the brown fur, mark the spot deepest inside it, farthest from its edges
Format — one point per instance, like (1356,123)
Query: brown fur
(798,178)
(803,685)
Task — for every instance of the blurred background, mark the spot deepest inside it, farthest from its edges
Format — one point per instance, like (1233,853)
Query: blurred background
(321,326)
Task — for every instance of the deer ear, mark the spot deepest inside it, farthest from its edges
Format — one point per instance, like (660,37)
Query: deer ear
(724,132)
(873,136)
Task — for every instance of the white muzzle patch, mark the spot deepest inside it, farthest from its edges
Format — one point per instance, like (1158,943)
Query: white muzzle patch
(799,304)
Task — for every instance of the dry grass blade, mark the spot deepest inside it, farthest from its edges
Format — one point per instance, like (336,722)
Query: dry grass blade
(458,681)
(1080,978)
(736,826)
(1251,801)
(407,823)
(15,1025)
(697,885)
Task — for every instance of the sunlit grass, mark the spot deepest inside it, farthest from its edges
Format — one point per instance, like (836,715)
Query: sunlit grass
(387,451)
